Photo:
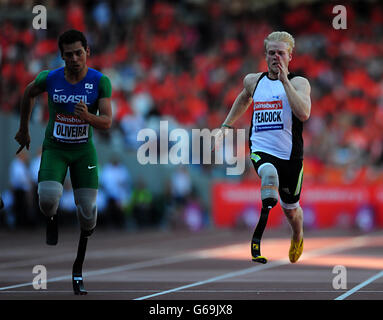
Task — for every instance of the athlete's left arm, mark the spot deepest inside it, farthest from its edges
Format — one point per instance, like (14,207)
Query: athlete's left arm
(298,92)
(101,121)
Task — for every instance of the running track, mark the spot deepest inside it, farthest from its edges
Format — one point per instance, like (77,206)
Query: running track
(208,265)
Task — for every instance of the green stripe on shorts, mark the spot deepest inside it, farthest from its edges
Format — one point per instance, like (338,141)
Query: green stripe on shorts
(255,157)
(299,185)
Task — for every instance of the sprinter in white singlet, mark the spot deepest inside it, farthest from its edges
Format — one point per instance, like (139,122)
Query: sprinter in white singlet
(281,105)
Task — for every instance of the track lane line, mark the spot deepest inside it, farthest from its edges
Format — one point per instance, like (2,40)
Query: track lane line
(127,267)
(360,286)
(201,254)
(186,291)
(352,243)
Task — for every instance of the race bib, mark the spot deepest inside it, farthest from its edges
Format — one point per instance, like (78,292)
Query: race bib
(70,129)
(268,115)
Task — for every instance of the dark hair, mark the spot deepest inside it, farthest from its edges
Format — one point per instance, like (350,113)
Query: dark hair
(72,36)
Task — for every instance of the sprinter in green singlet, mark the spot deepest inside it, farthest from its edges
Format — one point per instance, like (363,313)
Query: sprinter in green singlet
(78,100)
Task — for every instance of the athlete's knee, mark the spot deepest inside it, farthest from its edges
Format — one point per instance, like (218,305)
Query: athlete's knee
(268,174)
(50,193)
(269,185)
(291,210)
(86,203)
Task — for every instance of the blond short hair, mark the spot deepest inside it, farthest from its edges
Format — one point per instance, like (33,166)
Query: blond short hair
(282,36)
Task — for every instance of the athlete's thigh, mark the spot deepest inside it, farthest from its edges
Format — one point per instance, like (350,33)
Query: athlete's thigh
(259,158)
(53,166)
(84,169)
(290,180)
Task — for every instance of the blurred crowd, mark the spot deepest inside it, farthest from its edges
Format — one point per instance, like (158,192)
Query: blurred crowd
(184,61)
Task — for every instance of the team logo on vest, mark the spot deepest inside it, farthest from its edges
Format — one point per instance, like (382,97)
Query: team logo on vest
(268,115)
(73,98)
(70,129)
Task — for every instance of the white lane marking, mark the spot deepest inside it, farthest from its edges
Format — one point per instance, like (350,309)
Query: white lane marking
(190,291)
(221,277)
(360,286)
(201,254)
(131,266)
(355,242)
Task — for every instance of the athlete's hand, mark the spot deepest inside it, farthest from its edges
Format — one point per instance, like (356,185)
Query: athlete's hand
(23,138)
(218,138)
(283,72)
(81,110)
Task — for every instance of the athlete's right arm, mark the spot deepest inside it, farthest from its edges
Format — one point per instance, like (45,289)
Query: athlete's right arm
(240,105)
(243,100)
(22,136)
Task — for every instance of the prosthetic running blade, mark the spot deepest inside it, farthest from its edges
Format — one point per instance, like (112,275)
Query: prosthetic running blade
(256,252)
(52,231)
(78,285)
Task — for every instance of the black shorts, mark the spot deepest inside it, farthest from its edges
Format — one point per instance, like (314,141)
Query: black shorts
(290,174)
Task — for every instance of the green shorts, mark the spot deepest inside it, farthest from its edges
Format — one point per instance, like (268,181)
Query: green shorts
(82,164)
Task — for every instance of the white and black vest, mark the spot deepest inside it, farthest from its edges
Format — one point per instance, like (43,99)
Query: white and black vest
(274,128)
